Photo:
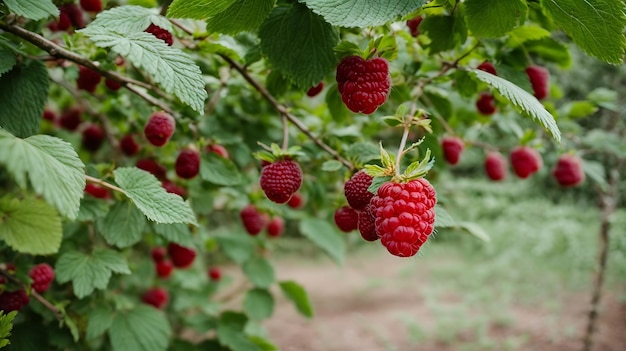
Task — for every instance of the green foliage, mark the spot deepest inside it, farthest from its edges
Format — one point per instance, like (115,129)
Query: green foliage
(129,19)
(142,328)
(445,32)
(6,325)
(362,13)
(197,9)
(7,61)
(219,170)
(259,271)
(33,9)
(259,303)
(325,236)
(494,18)
(296,293)
(123,225)
(240,16)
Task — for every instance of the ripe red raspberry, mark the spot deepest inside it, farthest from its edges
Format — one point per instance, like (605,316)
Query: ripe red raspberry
(218,149)
(452,148)
(160,33)
(91,5)
(346,218)
(486,104)
(367,224)
(49,115)
(88,79)
(93,137)
(164,269)
(569,171)
(157,297)
(363,85)
(487,67)
(296,201)
(276,227)
(74,14)
(129,146)
(356,192)
(182,257)
(187,163)
(62,24)
(404,215)
(42,276)
(173,188)
(97,191)
(215,274)
(158,254)
(495,166)
(280,180)
(413,25)
(153,167)
(71,118)
(525,161)
(159,128)
(253,220)
(112,85)
(539,79)
(13,300)
(313,91)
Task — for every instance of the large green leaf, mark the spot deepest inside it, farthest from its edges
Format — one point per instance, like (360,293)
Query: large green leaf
(259,303)
(596,26)
(494,18)
(362,13)
(129,19)
(89,271)
(240,16)
(50,164)
(123,225)
(150,197)
(527,104)
(197,9)
(169,67)
(296,293)
(299,44)
(99,321)
(23,93)
(324,236)
(7,61)
(445,32)
(219,170)
(259,271)
(30,226)
(33,9)
(143,328)
(238,247)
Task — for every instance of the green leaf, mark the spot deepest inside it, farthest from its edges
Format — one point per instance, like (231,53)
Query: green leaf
(240,16)
(197,9)
(92,209)
(443,219)
(89,272)
(23,93)
(522,34)
(259,271)
(52,166)
(172,69)
(238,247)
(494,18)
(98,322)
(33,9)
(30,226)
(143,328)
(362,13)
(6,325)
(322,234)
(219,170)
(7,61)
(296,293)
(377,181)
(331,166)
(596,26)
(156,203)
(123,225)
(444,32)
(259,304)
(129,19)
(579,109)
(299,44)
(234,339)
(176,232)
(527,104)
(474,229)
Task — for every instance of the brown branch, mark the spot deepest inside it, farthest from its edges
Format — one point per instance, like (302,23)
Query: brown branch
(57,312)
(101,182)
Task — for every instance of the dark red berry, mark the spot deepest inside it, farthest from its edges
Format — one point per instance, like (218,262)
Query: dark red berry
(413,25)
(97,191)
(452,148)
(93,137)
(62,24)
(367,224)
(161,33)
(158,254)
(276,227)
(187,163)
(49,115)
(159,128)
(42,276)
(569,171)
(182,257)
(91,5)
(164,269)
(525,161)
(173,188)
(296,201)
(313,91)
(346,219)
(363,85)
(112,85)
(129,146)
(215,274)
(13,300)
(487,67)
(356,192)
(495,166)
(157,297)
(74,14)
(71,118)
(253,220)
(486,104)
(539,79)
(218,149)
(280,180)
(88,79)
(153,167)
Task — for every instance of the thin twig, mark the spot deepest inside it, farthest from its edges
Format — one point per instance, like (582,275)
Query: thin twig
(101,182)
(57,313)
(283,120)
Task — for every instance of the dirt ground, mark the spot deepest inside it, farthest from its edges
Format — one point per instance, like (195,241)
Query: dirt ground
(378,303)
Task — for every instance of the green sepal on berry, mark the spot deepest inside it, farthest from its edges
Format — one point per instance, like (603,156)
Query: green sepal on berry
(275,153)
(383,47)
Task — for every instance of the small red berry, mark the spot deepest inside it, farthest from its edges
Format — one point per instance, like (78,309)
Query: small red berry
(49,115)
(88,79)
(539,79)
(62,24)
(413,25)
(71,118)
(486,104)
(91,5)
(93,137)
(13,300)
(363,85)
(188,163)
(159,128)
(280,180)
(346,219)
(218,149)
(313,91)
(296,201)
(495,166)
(129,146)
(161,33)
(367,224)
(215,274)
(253,220)
(74,14)
(568,171)
(158,254)
(157,297)
(164,269)
(452,148)
(182,257)
(276,227)
(173,188)
(112,85)
(42,276)
(525,161)
(97,191)
(153,167)
(356,191)
(487,67)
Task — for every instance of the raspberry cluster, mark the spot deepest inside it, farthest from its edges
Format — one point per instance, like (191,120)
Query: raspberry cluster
(363,84)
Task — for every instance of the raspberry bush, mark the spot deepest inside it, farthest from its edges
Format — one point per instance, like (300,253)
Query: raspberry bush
(143,148)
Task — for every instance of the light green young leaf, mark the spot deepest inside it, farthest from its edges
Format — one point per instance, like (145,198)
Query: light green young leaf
(169,67)
(89,272)
(7,61)
(522,34)
(596,26)
(50,164)
(98,322)
(299,44)
(123,225)
(362,13)
(6,325)
(325,237)
(30,226)
(23,93)
(219,170)
(143,328)
(259,271)
(525,103)
(240,16)
(33,9)
(197,9)
(148,195)
(494,18)
(259,304)
(296,293)
(129,19)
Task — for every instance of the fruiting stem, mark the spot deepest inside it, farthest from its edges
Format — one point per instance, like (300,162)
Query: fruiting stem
(104,184)
(283,119)
(405,135)
(57,313)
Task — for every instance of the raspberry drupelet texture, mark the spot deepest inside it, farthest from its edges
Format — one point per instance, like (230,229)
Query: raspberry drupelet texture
(525,161)
(356,192)
(42,276)
(253,220)
(495,166)
(160,128)
(188,164)
(13,300)
(367,224)
(569,171)
(280,180)
(404,215)
(160,33)
(363,85)
(452,148)
(182,257)
(346,218)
